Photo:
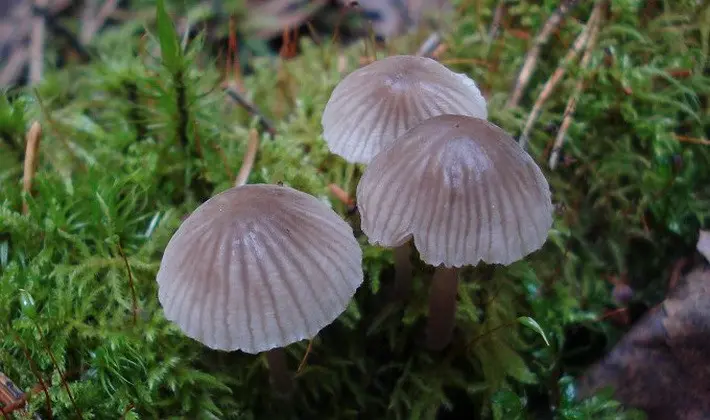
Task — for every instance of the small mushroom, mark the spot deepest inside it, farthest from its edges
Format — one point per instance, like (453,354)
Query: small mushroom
(466,192)
(377,103)
(256,268)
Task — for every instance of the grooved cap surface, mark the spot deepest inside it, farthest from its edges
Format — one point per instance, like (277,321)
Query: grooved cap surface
(462,188)
(258,267)
(375,104)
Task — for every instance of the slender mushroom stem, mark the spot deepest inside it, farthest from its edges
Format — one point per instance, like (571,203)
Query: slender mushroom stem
(402,272)
(281,378)
(442,307)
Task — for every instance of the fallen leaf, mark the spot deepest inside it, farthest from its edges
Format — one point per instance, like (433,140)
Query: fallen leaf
(703,245)
(662,365)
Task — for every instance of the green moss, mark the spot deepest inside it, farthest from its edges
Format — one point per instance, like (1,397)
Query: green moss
(132,143)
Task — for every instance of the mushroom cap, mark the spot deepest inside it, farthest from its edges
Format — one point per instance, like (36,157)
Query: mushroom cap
(462,188)
(377,103)
(258,267)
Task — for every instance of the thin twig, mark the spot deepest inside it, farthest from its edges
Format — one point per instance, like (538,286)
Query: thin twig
(429,45)
(686,139)
(37,44)
(495,23)
(34,135)
(552,23)
(62,377)
(130,283)
(305,357)
(578,89)
(552,82)
(92,26)
(35,371)
(341,195)
(264,122)
(14,66)
(249,157)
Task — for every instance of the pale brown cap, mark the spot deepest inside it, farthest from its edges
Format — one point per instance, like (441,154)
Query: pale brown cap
(462,188)
(375,104)
(258,267)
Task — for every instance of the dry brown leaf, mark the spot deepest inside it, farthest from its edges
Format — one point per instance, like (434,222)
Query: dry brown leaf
(662,365)
(703,245)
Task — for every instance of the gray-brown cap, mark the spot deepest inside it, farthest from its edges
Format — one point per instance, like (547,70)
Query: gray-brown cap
(375,104)
(258,267)
(462,188)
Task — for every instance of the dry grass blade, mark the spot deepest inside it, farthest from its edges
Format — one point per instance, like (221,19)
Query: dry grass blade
(579,44)
(265,123)
(37,44)
(552,23)
(92,25)
(578,89)
(34,135)
(693,140)
(249,157)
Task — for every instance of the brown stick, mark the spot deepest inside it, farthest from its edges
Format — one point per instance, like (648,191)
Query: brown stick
(578,89)
(265,123)
(442,308)
(686,139)
(552,82)
(92,25)
(429,45)
(37,44)
(34,135)
(552,23)
(249,157)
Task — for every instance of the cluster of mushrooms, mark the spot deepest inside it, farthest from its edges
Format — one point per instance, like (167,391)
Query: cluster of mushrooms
(258,267)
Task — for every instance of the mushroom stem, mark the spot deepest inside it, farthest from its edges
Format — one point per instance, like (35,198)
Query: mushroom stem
(402,272)
(442,307)
(279,375)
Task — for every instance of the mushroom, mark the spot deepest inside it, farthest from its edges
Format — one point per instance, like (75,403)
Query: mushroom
(256,268)
(377,103)
(466,192)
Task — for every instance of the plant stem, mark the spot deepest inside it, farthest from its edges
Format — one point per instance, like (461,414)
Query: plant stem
(402,272)
(281,378)
(442,307)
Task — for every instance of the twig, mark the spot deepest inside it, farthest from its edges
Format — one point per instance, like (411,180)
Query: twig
(130,283)
(252,109)
(552,23)
(495,23)
(35,371)
(62,376)
(341,195)
(249,157)
(578,89)
(429,45)
(14,66)
(37,44)
(92,26)
(305,357)
(686,139)
(552,82)
(34,135)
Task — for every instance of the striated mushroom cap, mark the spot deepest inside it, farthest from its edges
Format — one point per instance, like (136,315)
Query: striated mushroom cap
(375,104)
(462,188)
(258,267)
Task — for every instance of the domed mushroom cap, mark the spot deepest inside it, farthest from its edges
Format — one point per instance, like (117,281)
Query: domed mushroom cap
(375,104)
(258,267)
(462,188)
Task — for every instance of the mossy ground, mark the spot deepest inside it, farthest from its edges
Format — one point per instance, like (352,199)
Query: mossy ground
(135,140)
